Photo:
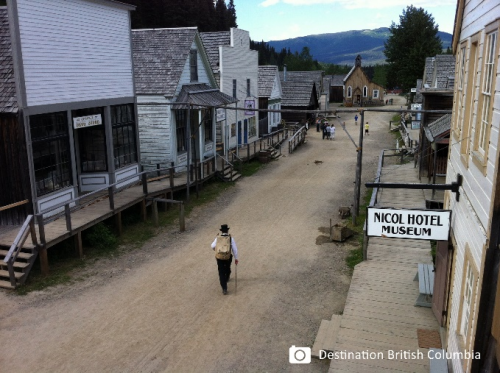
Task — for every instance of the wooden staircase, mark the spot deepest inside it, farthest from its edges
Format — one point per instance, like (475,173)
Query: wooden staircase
(228,173)
(21,255)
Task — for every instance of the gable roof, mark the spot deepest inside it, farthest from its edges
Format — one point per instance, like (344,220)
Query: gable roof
(202,94)
(8,98)
(267,75)
(299,85)
(211,41)
(159,58)
(439,128)
(337,80)
(439,72)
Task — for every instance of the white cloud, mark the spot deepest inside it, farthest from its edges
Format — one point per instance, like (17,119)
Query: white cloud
(371,4)
(267,3)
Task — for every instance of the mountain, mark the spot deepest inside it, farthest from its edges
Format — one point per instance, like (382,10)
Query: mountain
(341,48)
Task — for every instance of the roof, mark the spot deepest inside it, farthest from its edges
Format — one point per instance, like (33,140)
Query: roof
(8,98)
(439,128)
(298,86)
(267,75)
(159,58)
(439,72)
(211,42)
(337,80)
(203,95)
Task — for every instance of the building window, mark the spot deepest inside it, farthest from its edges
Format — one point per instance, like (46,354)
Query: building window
(467,301)
(209,125)
(460,91)
(180,131)
(124,139)
(92,143)
(233,129)
(234,88)
(485,112)
(252,127)
(349,91)
(51,152)
(468,100)
(365,91)
(248,87)
(375,94)
(193,64)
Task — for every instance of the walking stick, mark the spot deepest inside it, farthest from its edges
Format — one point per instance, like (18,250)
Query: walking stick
(235,278)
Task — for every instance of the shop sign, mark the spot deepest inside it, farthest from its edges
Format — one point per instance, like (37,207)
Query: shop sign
(209,147)
(87,121)
(414,224)
(249,105)
(221,114)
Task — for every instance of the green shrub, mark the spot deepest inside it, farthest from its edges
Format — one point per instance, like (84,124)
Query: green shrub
(100,237)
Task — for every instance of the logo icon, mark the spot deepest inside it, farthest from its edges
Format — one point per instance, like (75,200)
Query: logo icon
(299,355)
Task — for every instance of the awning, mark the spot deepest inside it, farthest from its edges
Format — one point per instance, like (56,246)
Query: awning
(439,129)
(202,96)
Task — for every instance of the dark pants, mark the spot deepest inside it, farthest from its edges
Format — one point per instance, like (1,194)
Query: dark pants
(224,267)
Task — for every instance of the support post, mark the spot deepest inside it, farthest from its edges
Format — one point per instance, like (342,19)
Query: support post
(171,175)
(357,188)
(79,244)
(41,229)
(118,223)
(111,198)
(44,261)
(155,212)
(182,222)
(144,214)
(67,214)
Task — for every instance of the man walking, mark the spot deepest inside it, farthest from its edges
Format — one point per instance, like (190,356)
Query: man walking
(356,119)
(367,128)
(225,248)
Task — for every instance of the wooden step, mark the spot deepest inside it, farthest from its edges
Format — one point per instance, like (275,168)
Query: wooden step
(5,274)
(6,285)
(327,336)
(21,255)
(18,265)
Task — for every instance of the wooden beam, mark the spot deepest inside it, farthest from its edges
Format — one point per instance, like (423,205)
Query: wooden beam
(44,261)
(3,208)
(144,214)
(118,223)
(79,244)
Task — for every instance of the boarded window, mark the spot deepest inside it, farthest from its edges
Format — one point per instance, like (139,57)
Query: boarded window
(234,88)
(193,64)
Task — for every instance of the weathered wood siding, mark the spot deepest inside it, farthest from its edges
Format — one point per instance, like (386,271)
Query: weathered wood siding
(472,214)
(239,62)
(358,80)
(75,51)
(14,178)
(202,71)
(155,130)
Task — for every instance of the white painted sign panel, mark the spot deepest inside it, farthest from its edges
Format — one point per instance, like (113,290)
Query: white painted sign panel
(221,114)
(87,121)
(414,224)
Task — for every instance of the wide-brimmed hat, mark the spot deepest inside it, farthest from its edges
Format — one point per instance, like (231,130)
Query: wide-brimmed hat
(224,228)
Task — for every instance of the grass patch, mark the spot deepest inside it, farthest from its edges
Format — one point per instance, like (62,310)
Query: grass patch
(100,241)
(250,168)
(356,255)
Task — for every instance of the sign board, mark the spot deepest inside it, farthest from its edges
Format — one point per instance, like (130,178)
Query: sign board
(221,114)
(249,104)
(414,224)
(209,147)
(413,90)
(87,121)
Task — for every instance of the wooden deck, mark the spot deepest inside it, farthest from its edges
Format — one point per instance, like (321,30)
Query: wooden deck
(379,315)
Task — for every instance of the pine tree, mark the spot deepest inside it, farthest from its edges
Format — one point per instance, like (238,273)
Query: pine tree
(410,42)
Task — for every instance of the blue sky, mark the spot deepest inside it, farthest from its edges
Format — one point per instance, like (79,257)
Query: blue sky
(284,19)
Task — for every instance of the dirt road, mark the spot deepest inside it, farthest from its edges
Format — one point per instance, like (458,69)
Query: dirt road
(161,309)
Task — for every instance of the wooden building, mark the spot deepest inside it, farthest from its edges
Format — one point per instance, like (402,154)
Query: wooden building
(176,97)
(301,91)
(359,90)
(67,123)
(337,88)
(269,98)
(470,313)
(236,68)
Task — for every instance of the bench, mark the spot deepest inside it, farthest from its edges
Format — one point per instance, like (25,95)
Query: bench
(425,277)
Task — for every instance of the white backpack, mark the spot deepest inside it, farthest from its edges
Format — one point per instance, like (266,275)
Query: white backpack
(223,248)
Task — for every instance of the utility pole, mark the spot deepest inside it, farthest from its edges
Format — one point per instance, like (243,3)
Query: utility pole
(357,188)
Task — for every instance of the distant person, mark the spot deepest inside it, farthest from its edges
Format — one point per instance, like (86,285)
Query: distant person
(367,128)
(332,132)
(225,248)
(323,128)
(356,119)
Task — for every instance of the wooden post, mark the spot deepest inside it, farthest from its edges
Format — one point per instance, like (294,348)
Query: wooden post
(144,184)
(357,188)
(44,261)
(182,222)
(41,228)
(67,213)
(155,212)
(111,198)
(144,214)
(78,244)
(33,232)
(118,223)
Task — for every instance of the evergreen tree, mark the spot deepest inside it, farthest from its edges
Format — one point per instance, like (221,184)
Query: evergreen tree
(410,42)
(231,10)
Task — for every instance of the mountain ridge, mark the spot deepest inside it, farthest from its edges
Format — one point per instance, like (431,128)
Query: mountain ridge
(341,48)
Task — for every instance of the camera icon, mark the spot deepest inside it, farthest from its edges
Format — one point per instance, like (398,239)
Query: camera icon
(299,355)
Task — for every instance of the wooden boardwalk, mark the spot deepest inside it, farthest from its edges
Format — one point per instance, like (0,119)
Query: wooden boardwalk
(380,318)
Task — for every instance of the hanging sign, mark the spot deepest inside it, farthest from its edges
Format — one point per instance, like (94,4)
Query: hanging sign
(87,121)
(414,224)
(221,114)
(249,105)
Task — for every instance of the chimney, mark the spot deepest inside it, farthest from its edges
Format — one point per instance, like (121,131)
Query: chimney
(284,72)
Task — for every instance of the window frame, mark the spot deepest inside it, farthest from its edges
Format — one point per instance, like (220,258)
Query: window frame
(193,65)
(234,88)
(375,96)
(248,88)
(180,130)
(349,91)
(126,125)
(365,91)
(96,137)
